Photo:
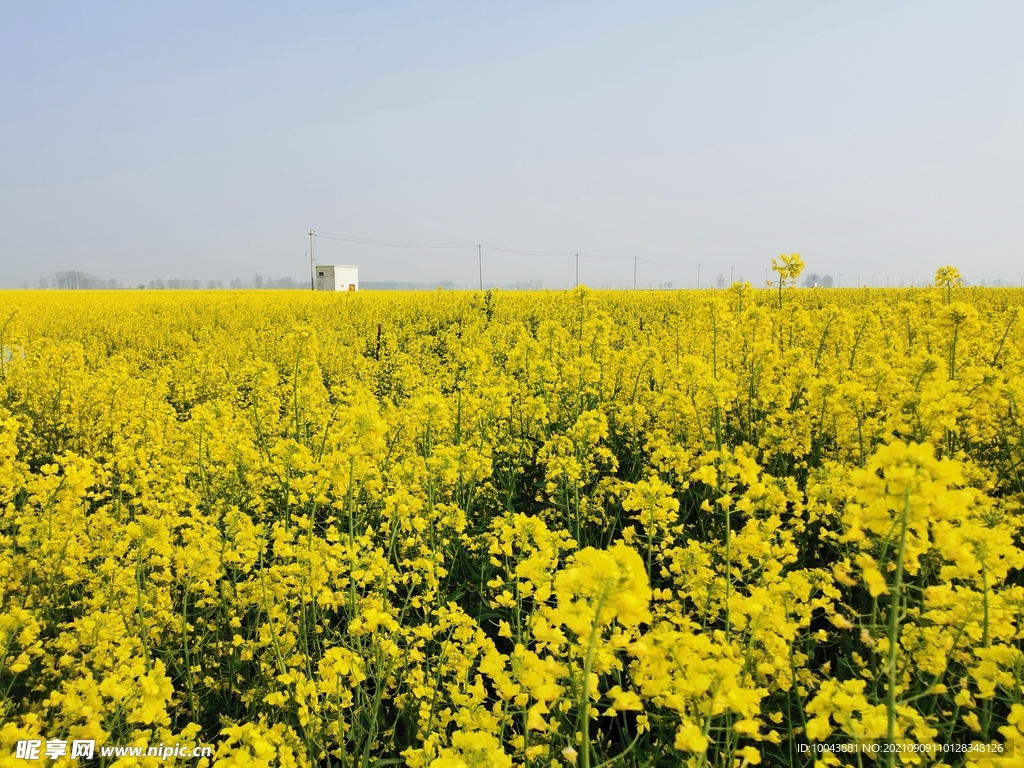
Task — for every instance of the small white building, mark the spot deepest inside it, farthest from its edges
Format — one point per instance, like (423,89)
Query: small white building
(337,277)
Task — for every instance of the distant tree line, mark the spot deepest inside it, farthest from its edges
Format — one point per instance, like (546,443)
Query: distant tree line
(402,285)
(175,284)
(999,283)
(76,279)
(258,281)
(447,285)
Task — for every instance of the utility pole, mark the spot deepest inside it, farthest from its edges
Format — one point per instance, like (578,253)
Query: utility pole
(730,275)
(312,268)
(840,280)
(480,263)
(698,275)
(577,270)
(634,273)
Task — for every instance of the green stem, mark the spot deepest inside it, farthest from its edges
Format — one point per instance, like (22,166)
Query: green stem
(138,600)
(894,626)
(585,694)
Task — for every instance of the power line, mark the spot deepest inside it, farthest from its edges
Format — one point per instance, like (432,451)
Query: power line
(605,258)
(390,243)
(479,245)
(506,249)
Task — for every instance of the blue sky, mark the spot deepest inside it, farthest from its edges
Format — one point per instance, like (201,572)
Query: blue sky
(204,140)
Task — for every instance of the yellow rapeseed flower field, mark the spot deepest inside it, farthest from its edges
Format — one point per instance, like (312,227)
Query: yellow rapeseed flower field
(454,529)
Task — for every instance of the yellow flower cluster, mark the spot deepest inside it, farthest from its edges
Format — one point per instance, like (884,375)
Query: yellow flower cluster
(457,530)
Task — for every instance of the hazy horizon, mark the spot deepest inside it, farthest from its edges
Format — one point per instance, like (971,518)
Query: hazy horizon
(198,142)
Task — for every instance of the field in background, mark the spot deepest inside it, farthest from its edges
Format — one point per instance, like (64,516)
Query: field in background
(484,529)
